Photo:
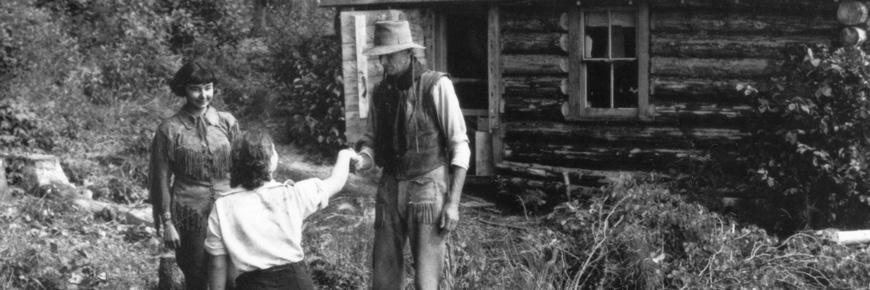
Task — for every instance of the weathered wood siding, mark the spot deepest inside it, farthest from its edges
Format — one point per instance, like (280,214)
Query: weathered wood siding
(699,51)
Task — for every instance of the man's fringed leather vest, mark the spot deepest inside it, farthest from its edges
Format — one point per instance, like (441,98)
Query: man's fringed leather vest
(410,140)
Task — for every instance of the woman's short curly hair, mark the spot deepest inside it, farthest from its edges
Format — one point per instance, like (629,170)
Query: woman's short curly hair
(252,156)
(194,72)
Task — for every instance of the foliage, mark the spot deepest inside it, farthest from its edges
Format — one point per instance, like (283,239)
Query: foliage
(313,94)
(811,135)
(641,236)
(48,245)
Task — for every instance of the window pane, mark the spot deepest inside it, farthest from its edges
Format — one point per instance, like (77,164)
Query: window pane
(624,34)
(596,34)
(598,85)
(625,84)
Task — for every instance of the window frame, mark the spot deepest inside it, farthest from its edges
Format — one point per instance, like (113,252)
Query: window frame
(577,102)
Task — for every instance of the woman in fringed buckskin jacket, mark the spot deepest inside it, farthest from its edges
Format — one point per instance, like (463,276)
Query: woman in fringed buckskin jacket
(190,164)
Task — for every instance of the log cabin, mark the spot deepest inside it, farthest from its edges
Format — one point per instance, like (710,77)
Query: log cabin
(567,95)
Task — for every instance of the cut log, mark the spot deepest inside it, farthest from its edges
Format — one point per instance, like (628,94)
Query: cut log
(779,5)
(681,89)
(535,86)
(691,44)
(845,237)
(852,13)
(535,64)
(604,158)
(605,134)
(759,21)
(535,109)
(127,215)
(686,110)
(852,36)
(576,175)
(40,170)
(532,19)
(168,273)
(556,188)
(712,68)
(533,43)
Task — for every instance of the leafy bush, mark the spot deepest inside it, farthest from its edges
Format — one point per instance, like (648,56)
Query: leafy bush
(313,95)
(641,236)
(811,135)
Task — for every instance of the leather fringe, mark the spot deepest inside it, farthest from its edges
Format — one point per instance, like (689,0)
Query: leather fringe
(188,219)
(191,162)
(379,215)
(423,213)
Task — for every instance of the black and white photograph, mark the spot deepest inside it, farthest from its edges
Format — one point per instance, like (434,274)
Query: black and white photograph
(434,144)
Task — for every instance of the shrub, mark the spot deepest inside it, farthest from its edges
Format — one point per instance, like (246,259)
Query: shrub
(313,95)
(811,135)
(641,236)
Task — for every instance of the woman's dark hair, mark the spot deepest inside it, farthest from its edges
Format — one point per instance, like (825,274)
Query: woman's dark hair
(252,156)
(194,72)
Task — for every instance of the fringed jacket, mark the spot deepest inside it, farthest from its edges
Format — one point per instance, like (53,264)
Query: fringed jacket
(195,150)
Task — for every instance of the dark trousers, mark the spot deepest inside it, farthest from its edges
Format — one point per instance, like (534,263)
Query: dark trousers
(192,259)
(291,276)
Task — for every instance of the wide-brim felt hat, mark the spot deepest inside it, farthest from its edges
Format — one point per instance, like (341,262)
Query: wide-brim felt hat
(390,37)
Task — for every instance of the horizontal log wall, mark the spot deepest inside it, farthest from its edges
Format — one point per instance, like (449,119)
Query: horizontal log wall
(700,51)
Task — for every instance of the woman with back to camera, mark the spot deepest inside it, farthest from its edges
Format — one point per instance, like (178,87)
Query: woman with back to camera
(190,150)
(257,226)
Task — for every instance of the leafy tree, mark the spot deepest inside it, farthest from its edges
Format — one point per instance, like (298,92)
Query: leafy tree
(810,139)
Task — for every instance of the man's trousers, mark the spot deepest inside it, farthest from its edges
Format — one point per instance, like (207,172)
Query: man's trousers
(409,209)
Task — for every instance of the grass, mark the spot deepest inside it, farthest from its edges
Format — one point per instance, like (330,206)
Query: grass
(46,244)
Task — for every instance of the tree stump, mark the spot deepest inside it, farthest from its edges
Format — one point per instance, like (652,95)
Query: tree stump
(41,170)
(169,274)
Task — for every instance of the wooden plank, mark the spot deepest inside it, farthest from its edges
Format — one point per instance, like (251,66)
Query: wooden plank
(712,68)
(535,86)
(729,45)
(534,43)
(483,152)
(628,132)
(554,173)
(688,89)
(751,21)
(686,110)
(532,19)
(576,74)
(779,5)
(494,75)
(602,158)
(362,65)
(643,67)
(534,64)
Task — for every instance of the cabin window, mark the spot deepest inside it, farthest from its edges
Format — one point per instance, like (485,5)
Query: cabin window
(608,65)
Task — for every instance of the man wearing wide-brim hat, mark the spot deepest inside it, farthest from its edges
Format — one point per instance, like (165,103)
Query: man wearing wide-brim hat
(417,134)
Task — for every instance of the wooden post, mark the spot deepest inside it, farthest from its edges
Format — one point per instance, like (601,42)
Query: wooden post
(495,86)
(169,275)
(362,65)
(852,13)
(483,151)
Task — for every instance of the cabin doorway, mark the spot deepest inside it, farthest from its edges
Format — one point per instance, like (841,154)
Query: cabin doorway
(465,33)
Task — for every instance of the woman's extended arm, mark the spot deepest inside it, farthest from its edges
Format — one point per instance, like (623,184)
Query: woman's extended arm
(338,178)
